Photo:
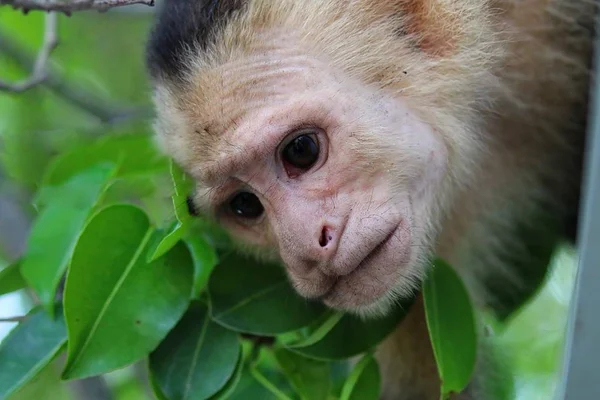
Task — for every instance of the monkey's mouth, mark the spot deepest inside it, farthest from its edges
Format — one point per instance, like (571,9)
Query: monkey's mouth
(377,250)
(372,277)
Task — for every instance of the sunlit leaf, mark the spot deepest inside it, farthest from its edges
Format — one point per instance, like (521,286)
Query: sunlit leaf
(135,154)
(451,324)
(364,382)
(57,228)
(242,289)
(29,348)
(163,240)
(310,378)
(205,259)
(182,186)
(197,358)
(118,307)
(136,186)
(11,279)
(352,335)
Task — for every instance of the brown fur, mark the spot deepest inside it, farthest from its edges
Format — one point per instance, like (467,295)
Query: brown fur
(503,83)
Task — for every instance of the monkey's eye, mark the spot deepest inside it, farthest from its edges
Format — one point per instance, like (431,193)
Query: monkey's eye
(301,153)
(246,205)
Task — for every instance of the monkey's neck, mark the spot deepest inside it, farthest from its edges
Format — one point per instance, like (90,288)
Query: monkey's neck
(407,363)
(406,360)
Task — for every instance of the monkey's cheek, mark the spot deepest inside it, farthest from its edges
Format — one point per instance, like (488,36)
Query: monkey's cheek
(374,281)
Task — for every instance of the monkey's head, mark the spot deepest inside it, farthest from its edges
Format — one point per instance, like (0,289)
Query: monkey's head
(318,134)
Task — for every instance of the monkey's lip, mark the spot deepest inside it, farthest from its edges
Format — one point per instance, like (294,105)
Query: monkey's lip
(331,297)
(376,251)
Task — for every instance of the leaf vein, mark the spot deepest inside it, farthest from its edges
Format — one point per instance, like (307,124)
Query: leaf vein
(250,298)
(112,295)
(188,380)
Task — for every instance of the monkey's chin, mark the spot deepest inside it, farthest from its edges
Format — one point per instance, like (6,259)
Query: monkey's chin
(380,279)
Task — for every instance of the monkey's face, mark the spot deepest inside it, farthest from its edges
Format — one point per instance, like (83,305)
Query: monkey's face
(334,178)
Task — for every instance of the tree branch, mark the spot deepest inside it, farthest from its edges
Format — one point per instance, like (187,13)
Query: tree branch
(68,7)
(38,75)
(19,318)
(104,111)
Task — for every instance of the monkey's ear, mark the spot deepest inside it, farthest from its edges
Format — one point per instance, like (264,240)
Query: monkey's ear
(434,24)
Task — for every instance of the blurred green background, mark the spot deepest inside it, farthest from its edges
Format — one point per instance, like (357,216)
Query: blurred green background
(99,87)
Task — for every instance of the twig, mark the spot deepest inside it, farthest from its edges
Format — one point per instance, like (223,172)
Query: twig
(68,7)
(38,75)
(105,111)
(19,318)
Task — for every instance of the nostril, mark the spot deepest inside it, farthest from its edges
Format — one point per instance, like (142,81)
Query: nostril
(326,237)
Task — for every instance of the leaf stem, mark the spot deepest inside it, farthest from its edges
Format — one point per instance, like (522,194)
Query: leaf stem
(267,384)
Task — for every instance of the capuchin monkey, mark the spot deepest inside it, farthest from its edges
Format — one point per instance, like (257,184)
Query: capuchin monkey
(355,140)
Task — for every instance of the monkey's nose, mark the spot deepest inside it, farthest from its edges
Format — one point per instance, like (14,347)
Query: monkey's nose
(326,238)
(317,253)
(328,243)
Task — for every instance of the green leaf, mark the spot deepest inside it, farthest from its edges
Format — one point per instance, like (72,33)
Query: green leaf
(11,279)
(158,393)
(197,358)
(340,370)
(249,388)
(215,234)
(46,384)
(57,228)
(451,325)
(310,378)
(163,240)
(135,154)
(352,335)
(364,382)
(124,188)
(166,238)
(315,333)
(264,380)
(242,289)
(29,348)
(232,384)
(59,192)
(182,185)
(205,259)
(118,307)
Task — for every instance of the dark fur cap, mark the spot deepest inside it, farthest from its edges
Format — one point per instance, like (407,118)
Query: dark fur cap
(182,25)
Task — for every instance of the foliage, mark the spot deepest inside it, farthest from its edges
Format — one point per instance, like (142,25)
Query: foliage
(129,283)
(452,328)
(122,275)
